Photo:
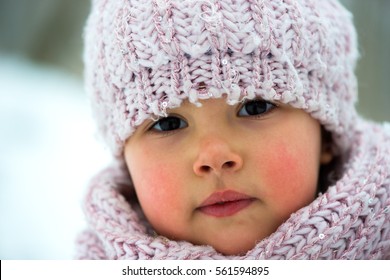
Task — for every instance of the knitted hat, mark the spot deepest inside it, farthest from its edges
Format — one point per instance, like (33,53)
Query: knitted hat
(143,57)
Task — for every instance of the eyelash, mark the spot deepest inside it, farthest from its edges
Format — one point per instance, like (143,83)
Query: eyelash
(269,107)
(183,124)
(152,128)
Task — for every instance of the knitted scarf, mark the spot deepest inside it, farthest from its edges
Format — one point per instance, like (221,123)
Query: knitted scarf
(351,220)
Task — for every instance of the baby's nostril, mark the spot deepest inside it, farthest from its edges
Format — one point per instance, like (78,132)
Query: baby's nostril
(205,168)
(229,164)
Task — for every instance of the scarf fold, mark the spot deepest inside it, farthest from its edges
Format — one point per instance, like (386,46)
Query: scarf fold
(351,220)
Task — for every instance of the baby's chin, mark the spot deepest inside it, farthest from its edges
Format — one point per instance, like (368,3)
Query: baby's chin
(233,246)
(233,238)
(222,244)
(235,249)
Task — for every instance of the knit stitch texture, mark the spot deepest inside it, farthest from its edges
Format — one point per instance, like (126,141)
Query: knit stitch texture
(351,220)
(143,57)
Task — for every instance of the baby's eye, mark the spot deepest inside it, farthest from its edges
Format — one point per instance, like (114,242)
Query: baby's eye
(168,124)
(255,108)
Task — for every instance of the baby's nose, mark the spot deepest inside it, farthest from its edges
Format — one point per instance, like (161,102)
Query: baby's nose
(216,156)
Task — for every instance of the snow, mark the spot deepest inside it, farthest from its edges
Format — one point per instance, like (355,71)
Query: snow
(48,153)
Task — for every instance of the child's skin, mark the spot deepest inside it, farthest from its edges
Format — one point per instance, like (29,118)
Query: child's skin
(269,153)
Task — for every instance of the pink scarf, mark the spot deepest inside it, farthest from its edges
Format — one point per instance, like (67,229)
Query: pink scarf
(351,220)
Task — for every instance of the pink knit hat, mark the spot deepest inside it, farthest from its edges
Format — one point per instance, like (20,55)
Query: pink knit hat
(143,57)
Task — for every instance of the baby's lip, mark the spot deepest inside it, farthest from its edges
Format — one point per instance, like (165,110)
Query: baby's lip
(223,197)
(224,204)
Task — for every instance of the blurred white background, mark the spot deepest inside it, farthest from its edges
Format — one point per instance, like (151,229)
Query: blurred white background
(47,155)
(48,150)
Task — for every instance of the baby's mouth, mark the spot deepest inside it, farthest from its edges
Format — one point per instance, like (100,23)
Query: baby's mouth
(224,204)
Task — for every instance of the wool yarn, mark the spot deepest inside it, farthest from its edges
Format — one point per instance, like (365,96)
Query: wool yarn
(143,57)
(351,220)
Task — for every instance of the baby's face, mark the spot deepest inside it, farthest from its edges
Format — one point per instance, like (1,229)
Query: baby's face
(225,176)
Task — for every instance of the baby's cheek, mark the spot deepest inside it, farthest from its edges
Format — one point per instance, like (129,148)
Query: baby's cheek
(287,179)
(157,187)
(168,203)
(159,192)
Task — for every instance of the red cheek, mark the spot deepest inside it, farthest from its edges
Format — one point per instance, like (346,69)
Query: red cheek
(155,179)
(157,186)
(148,176)
(283,177)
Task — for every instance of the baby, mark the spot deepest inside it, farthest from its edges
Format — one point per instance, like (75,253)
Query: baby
(234,134)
